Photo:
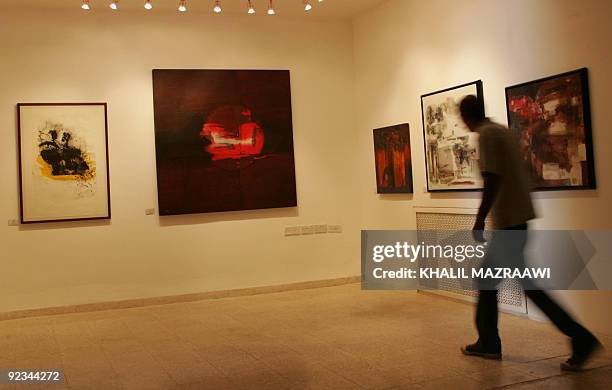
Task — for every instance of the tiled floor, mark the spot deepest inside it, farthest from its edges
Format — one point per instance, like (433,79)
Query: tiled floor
(327,338)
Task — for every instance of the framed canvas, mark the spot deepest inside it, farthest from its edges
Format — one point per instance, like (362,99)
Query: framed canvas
(224,140)
(552,117)
(451,149)
(63,161)
(393,159)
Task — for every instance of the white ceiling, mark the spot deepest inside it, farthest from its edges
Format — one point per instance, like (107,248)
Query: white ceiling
(328,9)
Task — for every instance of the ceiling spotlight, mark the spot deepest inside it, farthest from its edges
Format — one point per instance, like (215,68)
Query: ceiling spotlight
(217,8)
(85,5)
(271,10)
(148,5)
(182,6)
(251,10)
(114,5)
(307,5)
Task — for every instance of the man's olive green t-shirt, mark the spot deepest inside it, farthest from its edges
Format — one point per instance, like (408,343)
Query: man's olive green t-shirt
(500,155)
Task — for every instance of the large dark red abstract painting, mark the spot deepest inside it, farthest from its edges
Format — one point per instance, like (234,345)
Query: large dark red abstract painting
(553,120)
(224,140)
(393,159)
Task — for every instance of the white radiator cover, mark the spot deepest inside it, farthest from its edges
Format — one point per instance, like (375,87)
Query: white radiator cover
(511,296)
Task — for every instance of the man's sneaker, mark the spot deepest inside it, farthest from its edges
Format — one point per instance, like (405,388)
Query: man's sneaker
(579,358)
(477,350)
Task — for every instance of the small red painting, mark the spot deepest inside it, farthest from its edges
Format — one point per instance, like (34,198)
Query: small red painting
(393,159)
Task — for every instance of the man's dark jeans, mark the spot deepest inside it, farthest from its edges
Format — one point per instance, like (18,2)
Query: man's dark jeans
(486,310)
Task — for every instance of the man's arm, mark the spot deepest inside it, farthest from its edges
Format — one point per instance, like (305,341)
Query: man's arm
(491,188)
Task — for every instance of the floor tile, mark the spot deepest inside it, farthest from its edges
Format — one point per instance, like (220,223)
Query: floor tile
(327,338)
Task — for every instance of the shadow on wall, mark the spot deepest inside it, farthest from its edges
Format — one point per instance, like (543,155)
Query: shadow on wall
(197,219)
(174,220)
(65,225)
(477,195)
(396,197)
(569,194)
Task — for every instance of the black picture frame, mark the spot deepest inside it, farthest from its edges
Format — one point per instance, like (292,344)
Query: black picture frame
(553,87)
(20,131)
(478,186)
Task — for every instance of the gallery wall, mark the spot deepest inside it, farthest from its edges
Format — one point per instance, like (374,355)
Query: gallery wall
(404,49)
(346,80)
(66,55)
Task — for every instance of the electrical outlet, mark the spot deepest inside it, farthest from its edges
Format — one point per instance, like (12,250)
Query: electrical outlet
(292,231)
(334,228)
(320,229)
(149,211)
(308,230)
(13,222)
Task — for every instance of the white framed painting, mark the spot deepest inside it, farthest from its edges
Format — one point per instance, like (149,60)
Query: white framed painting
(63,162)
(451,149)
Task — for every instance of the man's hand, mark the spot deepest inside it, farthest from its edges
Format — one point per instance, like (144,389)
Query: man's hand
(491,187)
(478,230)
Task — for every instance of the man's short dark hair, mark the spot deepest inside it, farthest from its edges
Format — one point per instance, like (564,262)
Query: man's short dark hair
(472,109)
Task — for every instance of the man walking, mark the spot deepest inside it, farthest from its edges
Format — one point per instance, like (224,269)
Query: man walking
(507,196)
